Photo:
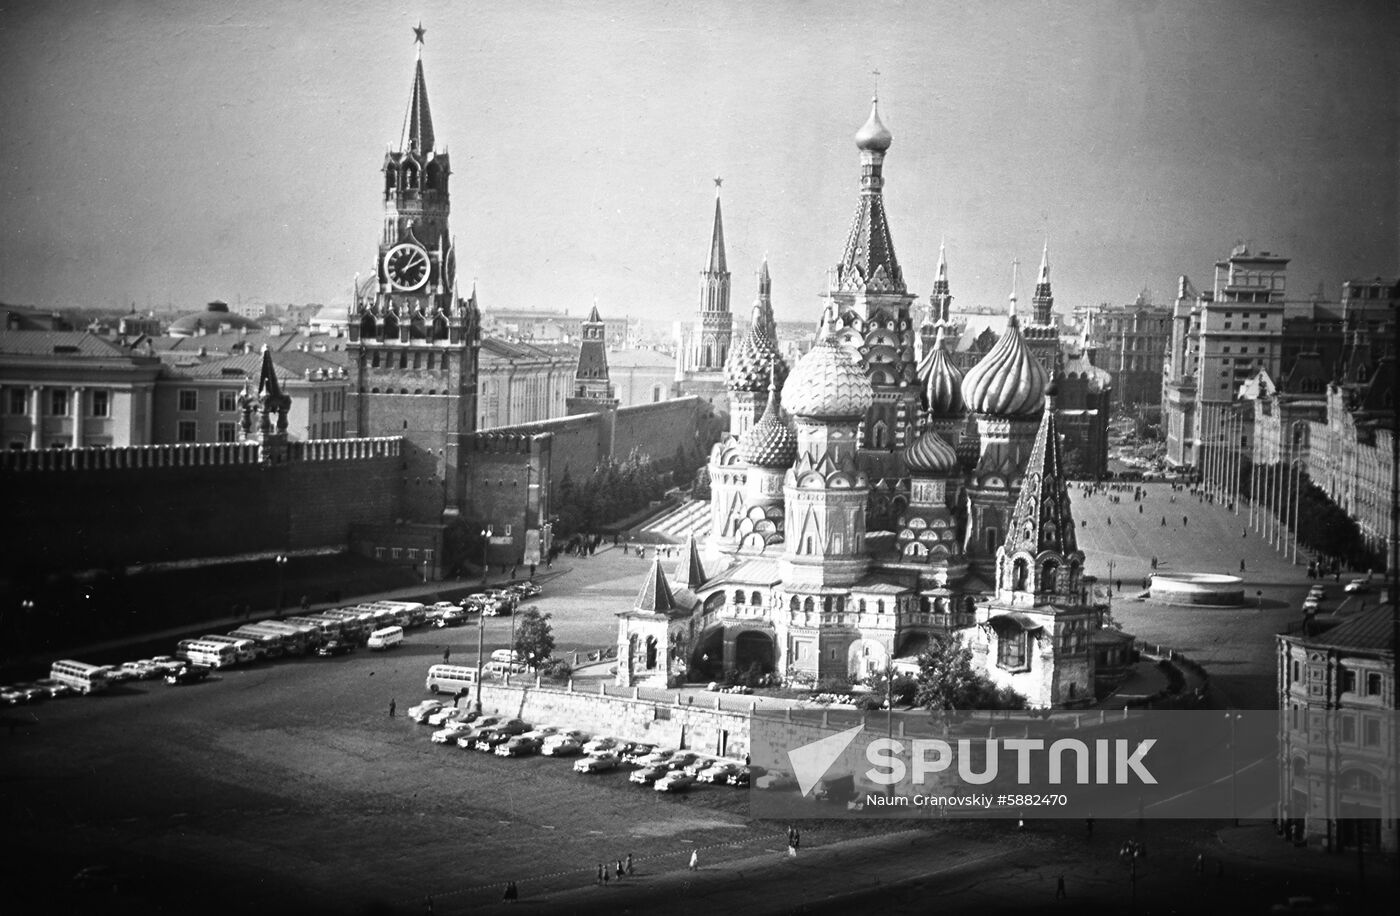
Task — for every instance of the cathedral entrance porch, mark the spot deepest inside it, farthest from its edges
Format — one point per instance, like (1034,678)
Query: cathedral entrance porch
(739,648)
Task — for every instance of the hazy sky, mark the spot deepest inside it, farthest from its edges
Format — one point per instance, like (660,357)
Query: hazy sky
(176,152)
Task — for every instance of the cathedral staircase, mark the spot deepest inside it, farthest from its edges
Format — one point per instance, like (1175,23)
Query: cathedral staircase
(690,518)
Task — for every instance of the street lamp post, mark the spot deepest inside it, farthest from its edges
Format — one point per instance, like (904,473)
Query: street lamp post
(485,543)
(1233,717)
(281,562)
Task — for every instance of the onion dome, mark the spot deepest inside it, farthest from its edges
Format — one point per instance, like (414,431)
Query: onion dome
(940,381)
(930,455)
(753,359)
(771,442)
(1009,381)
(874,135)
(828,383)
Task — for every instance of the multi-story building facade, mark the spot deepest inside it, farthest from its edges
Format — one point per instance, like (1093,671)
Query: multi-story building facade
(71,389)
(199,401)
(1337,765)
(1130,343)
(1217,341)
(520,382)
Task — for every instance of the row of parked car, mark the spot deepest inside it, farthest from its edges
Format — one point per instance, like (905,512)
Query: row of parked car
(489,603)
(663,769)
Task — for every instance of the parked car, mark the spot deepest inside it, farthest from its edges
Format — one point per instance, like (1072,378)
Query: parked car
(744,776)
(33,693)
(335,647)
(718,773)
(566,747)
(541,732)
(775,779)
(660,755)
(444,715)
(452,617)
(421,711)
(190,674)
(701,762)
(54,688)
(597,764)
(518,746)
(452,733)
(166,664)
(600,745)
(129,671)
(648,775)
(675,781)
(529,589)
(679,761)
(1357,587)
(11,695)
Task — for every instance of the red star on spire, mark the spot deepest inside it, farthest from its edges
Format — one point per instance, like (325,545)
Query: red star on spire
(418,31)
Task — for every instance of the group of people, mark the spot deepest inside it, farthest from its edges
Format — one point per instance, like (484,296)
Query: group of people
(606,873)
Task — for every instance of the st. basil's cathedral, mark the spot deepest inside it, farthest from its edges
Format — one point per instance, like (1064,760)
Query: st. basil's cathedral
(871,499)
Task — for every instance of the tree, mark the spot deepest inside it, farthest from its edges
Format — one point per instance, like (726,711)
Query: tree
(534,637)
(947,680)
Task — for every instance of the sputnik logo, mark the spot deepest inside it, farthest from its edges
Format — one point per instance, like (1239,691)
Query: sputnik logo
(811,761)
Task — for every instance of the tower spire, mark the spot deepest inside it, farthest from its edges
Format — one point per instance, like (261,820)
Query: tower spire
(941,299)
(1015,282)
(1044,300)
(418,122)
(717,259)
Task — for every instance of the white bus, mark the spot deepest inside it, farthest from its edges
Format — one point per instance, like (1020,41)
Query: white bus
(449,678)
(210,654)
(244,650)
(81,676)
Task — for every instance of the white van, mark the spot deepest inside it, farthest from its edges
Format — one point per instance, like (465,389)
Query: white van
(506,656)
(385,638)
(449,678)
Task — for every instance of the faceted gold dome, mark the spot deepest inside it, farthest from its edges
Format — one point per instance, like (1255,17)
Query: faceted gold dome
(930,454)
(771,442)
(941,382)
(828,383)
(1008,381)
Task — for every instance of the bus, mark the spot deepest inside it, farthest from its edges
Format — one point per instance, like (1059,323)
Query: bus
(244,650)
(209,654)
(449,678)
(301,639)
(329,629)
(274,645)
(81,676)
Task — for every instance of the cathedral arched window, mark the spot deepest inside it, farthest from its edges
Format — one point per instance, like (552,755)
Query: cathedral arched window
(809,605)
(756,599)
(861,606)
(738,597)
(1049,573)
(1019,572)
(794,605)
(367,328)
(410,177)
(880,606)
(651,652)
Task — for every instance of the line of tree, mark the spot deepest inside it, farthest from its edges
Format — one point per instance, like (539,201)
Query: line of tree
(615,489)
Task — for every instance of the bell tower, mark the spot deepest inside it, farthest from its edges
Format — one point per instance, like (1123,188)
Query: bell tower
(413,339)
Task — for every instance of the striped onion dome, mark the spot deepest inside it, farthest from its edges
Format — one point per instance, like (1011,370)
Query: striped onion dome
(828,383)
(753,358)
(1009,381)
(771,442)
(941,382)
(930,455)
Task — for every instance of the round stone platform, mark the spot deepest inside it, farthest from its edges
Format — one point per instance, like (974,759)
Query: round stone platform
(1197,589)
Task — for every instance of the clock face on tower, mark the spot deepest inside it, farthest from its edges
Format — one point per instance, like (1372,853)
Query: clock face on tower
(406,266)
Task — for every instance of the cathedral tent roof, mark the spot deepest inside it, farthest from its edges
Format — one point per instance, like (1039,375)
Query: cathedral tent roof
(690,572)
(656,596)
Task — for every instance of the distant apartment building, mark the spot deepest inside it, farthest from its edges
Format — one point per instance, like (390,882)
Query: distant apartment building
(1131,341)
(1217,340)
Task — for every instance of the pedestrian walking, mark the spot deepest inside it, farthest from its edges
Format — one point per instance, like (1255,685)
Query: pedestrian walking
(1241,565)
(1183,521)
(512,892)
(392,707)
(1164,521)
(1139,508)
(694,859)
(1060,888)
(619,869)
(599,879)
(629,865)
(447,654)
(1089,828)
(1200,865)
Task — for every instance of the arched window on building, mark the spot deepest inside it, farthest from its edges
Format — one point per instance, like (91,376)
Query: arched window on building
(651,652)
